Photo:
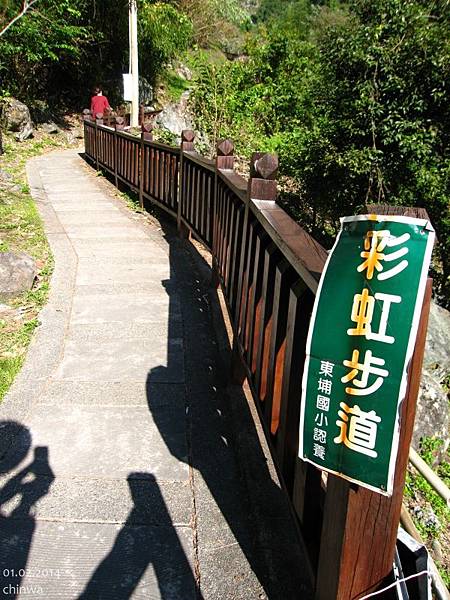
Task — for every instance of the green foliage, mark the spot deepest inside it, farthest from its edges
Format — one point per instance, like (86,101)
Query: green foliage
(165,136)
(256,102)
(48,33)
(216,23)
(354,100)
(384,115)
(429,450)
(290,16)
(174,85)
(164,32)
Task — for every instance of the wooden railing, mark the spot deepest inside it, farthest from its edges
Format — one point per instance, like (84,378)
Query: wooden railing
(269,269)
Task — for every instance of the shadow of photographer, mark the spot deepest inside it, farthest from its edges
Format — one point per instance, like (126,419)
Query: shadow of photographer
(18,498)
(139,546)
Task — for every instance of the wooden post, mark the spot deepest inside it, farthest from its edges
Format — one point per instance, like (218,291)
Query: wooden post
(359,530)
(147,132)
(141,167)
(96,145)
(187,144)
(262,185)
(118,126)
(224,162)
(86,115)
(146,135)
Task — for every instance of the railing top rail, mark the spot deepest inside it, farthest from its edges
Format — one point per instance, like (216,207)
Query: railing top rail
(301,250)
(161,146)
(206,163)
(92,123)
(128,136)
(234,181)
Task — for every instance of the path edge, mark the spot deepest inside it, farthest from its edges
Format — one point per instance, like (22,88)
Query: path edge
(47,344)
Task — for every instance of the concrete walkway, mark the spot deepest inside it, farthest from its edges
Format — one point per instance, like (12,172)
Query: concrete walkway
(118,479)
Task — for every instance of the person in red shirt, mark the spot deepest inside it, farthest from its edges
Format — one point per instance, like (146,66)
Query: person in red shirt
(99,102)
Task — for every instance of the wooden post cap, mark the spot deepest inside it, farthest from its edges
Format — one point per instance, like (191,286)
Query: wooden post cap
(264,166)
(147,132)
(187,135)
(262,184)
(225,148)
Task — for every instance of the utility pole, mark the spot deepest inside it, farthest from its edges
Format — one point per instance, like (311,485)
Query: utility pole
(134,66)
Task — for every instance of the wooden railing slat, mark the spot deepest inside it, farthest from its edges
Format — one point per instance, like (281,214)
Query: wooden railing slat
(271,255)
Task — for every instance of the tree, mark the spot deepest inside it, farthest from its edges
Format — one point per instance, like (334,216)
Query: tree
(355,101)
(164,32)
(6,21)
(44,36)
(382,115)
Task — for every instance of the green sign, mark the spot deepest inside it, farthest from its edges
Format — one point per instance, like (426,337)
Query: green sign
(361,339)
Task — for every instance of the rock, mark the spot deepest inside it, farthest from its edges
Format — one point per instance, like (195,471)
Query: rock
(184,72)
(7,183)
(40,111)
(16,118)
(73,135)
(175,117)
(430,519)
(433,416)
(5,176)
(49,127)
(145,91)
(78,133)
(437,355)
(7,312)
(437,549)
(17,273)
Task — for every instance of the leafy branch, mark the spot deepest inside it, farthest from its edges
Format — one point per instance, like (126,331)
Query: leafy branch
(26,5)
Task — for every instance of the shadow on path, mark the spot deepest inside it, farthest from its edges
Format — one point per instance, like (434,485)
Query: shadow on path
(238,533)
(137,547)
(18,496)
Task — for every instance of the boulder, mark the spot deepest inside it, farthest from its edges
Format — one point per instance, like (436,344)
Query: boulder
(40,112)
(145,91)
(16,118)
(437,355)
(433,415)
(49,127)
(175,117)
(17,273)
(73,135)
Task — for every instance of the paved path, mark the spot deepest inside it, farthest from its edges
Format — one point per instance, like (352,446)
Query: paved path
(121,481)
